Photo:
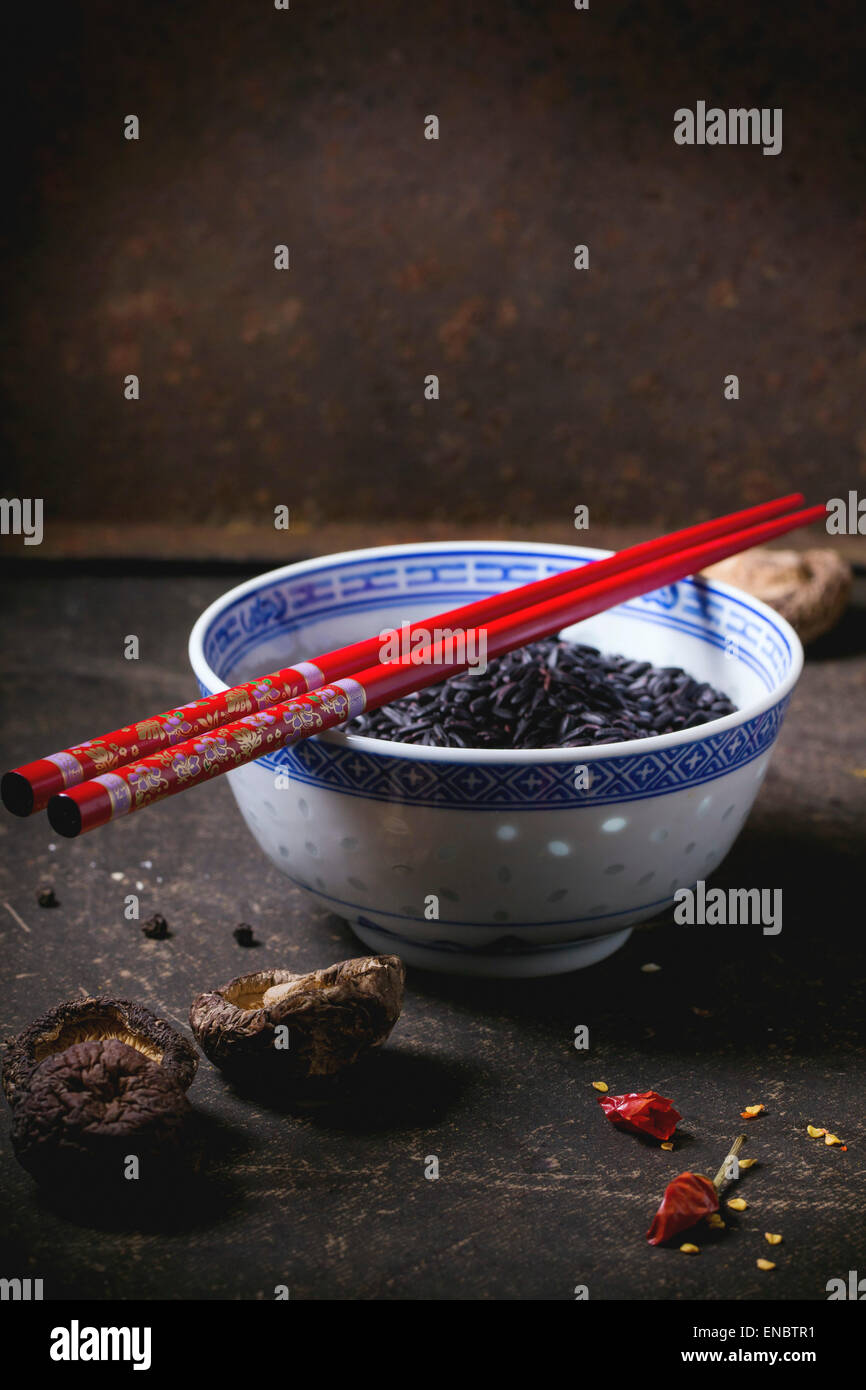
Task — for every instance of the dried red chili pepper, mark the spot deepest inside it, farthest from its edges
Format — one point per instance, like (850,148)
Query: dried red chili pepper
(643,1112)
(688,1199)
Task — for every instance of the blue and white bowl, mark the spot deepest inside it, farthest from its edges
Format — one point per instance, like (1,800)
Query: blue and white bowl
(490,862)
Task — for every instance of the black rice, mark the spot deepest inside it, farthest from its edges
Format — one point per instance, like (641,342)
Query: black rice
(551,694)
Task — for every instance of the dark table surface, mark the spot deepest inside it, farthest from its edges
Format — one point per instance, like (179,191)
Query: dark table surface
(537,1193)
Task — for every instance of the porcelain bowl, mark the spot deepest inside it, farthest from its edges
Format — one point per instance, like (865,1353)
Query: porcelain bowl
(499,863)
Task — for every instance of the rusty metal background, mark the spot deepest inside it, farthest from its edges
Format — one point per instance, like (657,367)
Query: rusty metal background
(411,257)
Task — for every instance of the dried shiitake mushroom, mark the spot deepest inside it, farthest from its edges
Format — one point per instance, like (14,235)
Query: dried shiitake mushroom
(327,1019)
(98,1019)
(810,588)
(85,1111)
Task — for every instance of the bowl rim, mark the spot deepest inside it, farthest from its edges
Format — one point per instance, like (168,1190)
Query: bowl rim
(205,674)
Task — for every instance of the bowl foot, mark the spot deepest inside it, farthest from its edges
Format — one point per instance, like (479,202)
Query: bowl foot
(512,961)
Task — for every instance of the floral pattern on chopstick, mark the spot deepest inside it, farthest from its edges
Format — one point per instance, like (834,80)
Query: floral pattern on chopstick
(138,784)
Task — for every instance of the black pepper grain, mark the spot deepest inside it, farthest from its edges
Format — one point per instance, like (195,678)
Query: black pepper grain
(156,927)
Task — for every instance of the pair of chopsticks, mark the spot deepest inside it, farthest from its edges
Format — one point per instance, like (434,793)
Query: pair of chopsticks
(89,785)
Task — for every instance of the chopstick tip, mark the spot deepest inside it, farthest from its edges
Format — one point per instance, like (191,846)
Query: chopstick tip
(64,816)
(16,794)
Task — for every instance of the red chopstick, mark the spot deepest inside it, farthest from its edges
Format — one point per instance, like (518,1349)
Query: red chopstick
(140,784)
(27,789)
